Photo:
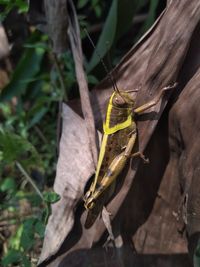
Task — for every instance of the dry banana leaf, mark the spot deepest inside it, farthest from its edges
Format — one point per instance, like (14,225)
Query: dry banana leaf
(74,166)
(4,45)
(51,17)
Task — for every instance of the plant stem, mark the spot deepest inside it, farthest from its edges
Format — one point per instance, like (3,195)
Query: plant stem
(40,134)
(29,179)
(61,77)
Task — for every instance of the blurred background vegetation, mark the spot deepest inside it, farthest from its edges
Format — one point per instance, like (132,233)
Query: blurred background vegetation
(33,82)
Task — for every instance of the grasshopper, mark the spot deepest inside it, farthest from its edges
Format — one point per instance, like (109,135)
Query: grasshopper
(119,138)
(120,132)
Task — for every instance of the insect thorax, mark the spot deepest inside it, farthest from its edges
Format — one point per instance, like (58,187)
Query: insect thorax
(117,118)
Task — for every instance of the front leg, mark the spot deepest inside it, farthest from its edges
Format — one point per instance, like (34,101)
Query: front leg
(155,100)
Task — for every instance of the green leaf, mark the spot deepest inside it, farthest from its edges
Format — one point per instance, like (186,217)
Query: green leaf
(34,199)
(38,110)
(37,45)
(27,68)
(46,213)
(150,18)
(4,2)
(107,36)
(92,79)
(94,2)
(126,12)
(27,238)
(40,228)
(16,148)
(38,116)
(117,23)
(8,6)
(22,5)
(98,11)
(12,257)
(196,257)
(14,241)
(8,185)
(51,197)
(82,3)
(25,262)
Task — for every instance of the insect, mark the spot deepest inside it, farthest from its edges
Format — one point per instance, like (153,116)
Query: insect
(119,138)
(118,141)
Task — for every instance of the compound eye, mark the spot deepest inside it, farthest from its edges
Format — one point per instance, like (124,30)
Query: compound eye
(118,100)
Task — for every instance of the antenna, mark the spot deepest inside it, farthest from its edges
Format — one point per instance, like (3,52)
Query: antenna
(110,65)
(102,62)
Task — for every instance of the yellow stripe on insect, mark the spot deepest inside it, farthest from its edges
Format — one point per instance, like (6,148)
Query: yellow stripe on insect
(101,156)
(118,126)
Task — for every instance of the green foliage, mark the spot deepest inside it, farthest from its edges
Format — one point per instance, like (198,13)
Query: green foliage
(150,18)
(28,233)
(82,3)
(8,185)
(95,5)
(26,124)
(21,5)
(26,70)
(118,21)
(12,257)
(23,242)
(107,36)
(14,147)
(51,197)
(39,228)
(16,257)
